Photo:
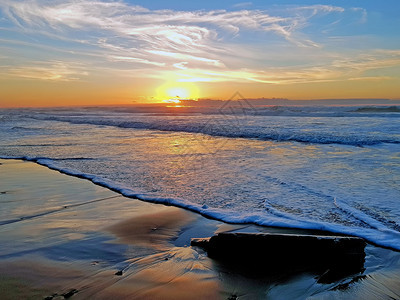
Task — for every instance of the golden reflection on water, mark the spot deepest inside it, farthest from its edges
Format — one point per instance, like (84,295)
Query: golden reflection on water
(179,159)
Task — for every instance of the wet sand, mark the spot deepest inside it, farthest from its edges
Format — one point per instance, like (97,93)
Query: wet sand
(63,237)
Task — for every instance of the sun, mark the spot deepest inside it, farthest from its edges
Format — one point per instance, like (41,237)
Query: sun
(173,92)
(178,92)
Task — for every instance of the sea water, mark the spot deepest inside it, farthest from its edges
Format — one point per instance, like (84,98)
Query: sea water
(327,168)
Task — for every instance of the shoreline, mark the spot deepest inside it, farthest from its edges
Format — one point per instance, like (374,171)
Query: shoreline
(191,208)
(72,236)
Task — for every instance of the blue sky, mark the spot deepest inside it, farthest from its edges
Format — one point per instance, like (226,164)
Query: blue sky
(294,49)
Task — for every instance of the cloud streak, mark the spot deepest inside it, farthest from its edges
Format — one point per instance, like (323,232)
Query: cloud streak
(51,70)
(166,29)
(203,46)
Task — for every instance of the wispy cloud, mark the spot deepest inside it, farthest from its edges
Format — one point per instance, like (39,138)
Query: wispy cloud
(136,60)
(337,69)
(51,70)
(165,29)
(204,45)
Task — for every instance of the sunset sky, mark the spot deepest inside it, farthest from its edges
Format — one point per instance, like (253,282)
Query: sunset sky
(124,52)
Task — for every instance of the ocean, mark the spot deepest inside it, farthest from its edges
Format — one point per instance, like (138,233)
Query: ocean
(328,168)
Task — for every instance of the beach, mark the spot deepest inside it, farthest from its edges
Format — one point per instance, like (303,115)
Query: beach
(199,149)
(65,237)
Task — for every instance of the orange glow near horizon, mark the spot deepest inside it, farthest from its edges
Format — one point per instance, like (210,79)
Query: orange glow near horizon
(31,93)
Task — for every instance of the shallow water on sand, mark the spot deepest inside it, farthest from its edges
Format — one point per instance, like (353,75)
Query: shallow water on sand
(66,236)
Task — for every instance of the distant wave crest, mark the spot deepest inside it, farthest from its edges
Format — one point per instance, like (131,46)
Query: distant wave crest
(230,128)
(373,109)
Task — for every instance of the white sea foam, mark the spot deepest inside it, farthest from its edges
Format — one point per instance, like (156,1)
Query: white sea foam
(381,236)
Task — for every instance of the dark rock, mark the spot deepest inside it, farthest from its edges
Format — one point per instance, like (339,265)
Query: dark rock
(202,243)
(70,293)
(51,297)
(233,297)
(119,273)
(258,254)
